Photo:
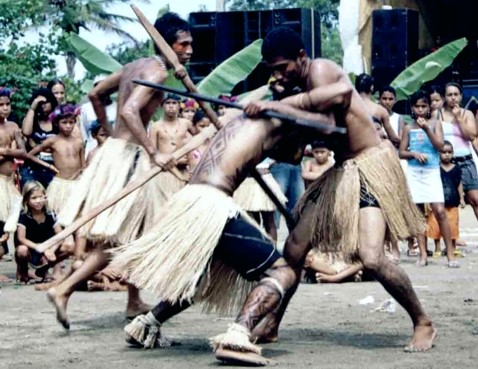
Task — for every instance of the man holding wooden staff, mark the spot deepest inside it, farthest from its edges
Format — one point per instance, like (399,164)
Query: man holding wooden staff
(126,155)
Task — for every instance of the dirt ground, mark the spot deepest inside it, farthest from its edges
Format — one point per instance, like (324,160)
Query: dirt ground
(325,326)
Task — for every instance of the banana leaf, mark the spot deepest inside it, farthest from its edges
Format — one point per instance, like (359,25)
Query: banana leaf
(232,71)
(94,60)
(427,68)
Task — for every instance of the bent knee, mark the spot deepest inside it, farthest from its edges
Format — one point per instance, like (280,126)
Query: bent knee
(22,251)
(371,261)
(76,264)
(282,272)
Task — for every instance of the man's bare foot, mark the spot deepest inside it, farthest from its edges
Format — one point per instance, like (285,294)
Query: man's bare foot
(266,331)
(422,340)
(59,302)
(4,279)
(137,308)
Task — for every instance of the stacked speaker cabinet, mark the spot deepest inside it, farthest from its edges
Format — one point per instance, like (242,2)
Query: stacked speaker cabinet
(219,35)
(394,43)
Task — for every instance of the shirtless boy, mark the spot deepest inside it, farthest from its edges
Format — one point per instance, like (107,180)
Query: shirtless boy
(168,134)
(68,156)
(321,162)
(124,156)
(348,209)
(11,146)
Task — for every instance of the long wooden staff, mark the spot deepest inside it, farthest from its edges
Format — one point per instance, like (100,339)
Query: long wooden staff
(195,142)
(172,60)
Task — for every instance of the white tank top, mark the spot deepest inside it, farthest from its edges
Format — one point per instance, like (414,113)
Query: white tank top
(395,122)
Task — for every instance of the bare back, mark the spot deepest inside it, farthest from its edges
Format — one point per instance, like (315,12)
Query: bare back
(235,150)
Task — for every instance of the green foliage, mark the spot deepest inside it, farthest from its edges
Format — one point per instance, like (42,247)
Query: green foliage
(126,51)
(93,59)
(232,71)
(427,68)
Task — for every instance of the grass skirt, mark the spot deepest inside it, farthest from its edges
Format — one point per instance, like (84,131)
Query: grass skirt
(58,193)
(251,197)
(116,163)
(336,199)
(175,260)
(10,204)
(166,185)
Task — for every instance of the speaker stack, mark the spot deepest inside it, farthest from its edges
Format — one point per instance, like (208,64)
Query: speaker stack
(219,35)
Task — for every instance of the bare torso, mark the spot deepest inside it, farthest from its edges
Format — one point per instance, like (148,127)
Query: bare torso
(67,156)
(139,69)
(169,136)
(361,134)
(7,141)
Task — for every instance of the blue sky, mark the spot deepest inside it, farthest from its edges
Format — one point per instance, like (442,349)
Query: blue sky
(102,40)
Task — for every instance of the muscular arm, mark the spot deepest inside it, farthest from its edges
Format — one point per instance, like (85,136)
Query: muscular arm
(130,112)
(322,98)
(102,89)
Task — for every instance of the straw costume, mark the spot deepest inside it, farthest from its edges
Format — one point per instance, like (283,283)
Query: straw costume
(166,184)
(10,203)
(59,192)
(373,178)
(181,265)
(251,197)
(116,163)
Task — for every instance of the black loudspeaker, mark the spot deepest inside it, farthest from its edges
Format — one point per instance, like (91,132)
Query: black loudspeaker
(394,43)
(219,35)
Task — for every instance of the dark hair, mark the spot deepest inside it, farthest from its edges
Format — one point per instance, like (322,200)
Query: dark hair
(420,94)
(63,111)
(54,82)
(168,26)
(5,92)
(198,116)
(95,127)
(171,96)
(48,95)
(454,84)
(364,83)
(448,143)
(387,89)
(436,89)
(281,41)
(319,144)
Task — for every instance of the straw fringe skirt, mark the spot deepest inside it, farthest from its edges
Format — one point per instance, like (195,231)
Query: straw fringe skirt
(166,185)
(251,197)
(116,163)
(336,200)
(58,193)
(10,204)
(175,260)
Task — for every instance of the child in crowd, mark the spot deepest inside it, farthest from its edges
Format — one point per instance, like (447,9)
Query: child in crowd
(100,135)
(188,107)
(36,225)
(437,99)
(454,197)
(388,98)
(68,156)
(321,162)
(200,122)
(420,145)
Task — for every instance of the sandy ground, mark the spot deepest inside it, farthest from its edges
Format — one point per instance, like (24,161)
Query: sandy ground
(325,326)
